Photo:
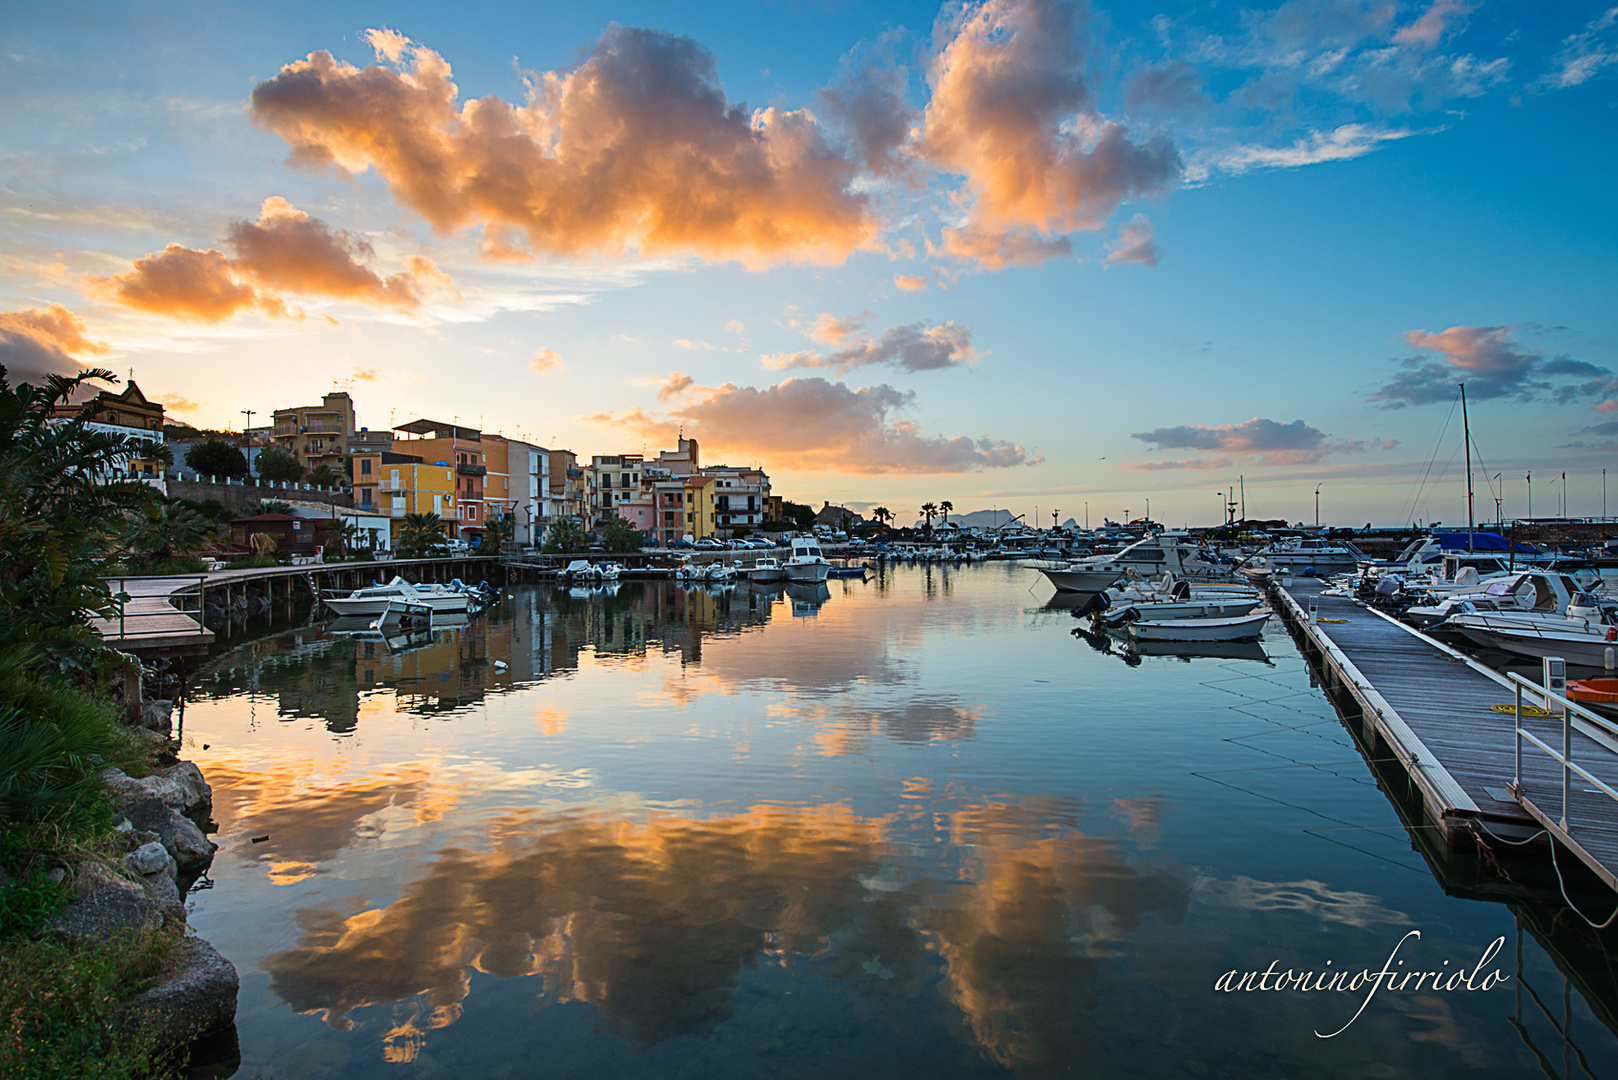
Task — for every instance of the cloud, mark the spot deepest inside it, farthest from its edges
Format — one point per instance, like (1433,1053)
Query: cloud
(544,361)
(176,403)
(185,283)
(815,425)
(915,347)
(1136,243)
(41,341)
(1270,442)
(1010,111)
(1426,30)
(363,374)
(830,330)
(1179,463)
(284,252)
(287,251)
(678,382)
(868,100)
(1340,144)
(1584,55)
(911,282)
(1174,87)
(735,326)
(1491,365)
(635,149)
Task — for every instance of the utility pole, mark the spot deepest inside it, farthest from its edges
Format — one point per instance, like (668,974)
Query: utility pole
(1317,506)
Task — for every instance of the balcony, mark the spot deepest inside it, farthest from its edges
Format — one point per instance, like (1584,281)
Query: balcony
(471,470)
(396,511)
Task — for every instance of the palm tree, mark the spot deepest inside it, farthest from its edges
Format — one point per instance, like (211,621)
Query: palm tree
(944,508)
(420,535)
(883,515)
(928,511)
(156,534)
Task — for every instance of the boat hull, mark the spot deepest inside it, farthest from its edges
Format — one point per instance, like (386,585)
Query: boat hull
(1091,581)
(807,572)
(376,605)
(1245,628)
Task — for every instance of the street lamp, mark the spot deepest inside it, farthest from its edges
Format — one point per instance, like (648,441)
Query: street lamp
(1317,506)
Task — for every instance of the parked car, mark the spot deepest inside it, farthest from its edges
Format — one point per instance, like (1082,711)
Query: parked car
(708,543)
(458,547)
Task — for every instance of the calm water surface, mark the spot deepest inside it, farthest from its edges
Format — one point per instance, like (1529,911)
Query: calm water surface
(907,827)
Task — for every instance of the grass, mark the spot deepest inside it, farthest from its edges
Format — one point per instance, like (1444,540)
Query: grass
(61,1003)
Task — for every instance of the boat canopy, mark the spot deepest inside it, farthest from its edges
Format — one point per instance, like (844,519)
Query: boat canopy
(1483,541)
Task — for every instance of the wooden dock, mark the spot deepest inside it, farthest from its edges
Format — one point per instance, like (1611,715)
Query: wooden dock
(1432,707)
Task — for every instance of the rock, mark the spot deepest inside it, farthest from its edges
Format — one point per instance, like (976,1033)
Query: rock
(164,893)
(107,910)
(157,716)
(193,852)
(152,858)
(180,786)
(56,875)
(194,998)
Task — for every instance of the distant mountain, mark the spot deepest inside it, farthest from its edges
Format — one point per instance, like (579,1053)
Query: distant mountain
(978,519)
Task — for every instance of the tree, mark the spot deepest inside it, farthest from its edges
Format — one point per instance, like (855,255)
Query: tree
(619,535)
(882,515)
(801,516)
(944,508)
(156,534)
(322,476)
(342,537)
(929,511)
(565,535)
(496,533)
(279,465)
(216,458)
(421,535)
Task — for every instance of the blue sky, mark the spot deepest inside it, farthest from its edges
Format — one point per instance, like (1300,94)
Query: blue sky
(1163,246)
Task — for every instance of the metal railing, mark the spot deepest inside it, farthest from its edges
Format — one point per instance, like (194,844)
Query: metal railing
(174,601)
(1564,757)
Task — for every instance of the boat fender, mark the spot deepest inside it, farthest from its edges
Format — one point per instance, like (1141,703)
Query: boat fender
(1612,633)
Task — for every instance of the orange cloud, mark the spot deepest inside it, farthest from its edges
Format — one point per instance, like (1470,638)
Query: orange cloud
(1011,112)
(916,347)
(177,403)
(544,361)
(911,282)
(812,424)
(284,251)
(637,148)
(41,341)
(678,383)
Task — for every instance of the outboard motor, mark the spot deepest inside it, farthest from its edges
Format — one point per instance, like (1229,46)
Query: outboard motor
(1389,585)
(1097,603)
(1119,617)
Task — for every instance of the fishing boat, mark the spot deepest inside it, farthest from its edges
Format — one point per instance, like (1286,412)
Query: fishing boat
(766,571)
(1237,628)
(374,599)
(806,563)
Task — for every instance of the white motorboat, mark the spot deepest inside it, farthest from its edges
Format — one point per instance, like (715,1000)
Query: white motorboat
(720,572)
(1171,599)
(806,563)
(1582,636)
(577,570)
(1238,628)
(1528,591)
(1312,553)
(765,571)
(1176,553)
(374,599)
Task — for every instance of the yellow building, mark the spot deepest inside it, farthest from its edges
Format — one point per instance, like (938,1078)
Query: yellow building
(700,494)
(316,434)
(400,484)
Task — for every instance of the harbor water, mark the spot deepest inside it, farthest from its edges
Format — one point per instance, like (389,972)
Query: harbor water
(912,826)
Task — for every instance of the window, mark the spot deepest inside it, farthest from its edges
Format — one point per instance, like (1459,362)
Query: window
(365,466)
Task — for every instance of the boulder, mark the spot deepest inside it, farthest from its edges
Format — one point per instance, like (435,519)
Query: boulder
(152,858)
(193,852)
(156,715)
(107,910)
(164,893)
(194,998)
(180,786)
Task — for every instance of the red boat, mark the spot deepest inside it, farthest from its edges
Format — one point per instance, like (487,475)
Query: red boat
(1598,694)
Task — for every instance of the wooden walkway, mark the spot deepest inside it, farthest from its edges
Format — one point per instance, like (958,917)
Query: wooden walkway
(1431,706)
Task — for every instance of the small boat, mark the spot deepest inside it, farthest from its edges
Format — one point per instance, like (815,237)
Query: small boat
(1238,628)
(374,599)
(1598,694)
(720,572)
(765,571)
(847,572)
(806,563)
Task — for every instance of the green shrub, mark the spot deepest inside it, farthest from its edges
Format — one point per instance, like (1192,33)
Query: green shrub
(28,902)
(61,1001)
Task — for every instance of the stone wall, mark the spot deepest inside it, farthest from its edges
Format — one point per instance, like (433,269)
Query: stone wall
(240,496)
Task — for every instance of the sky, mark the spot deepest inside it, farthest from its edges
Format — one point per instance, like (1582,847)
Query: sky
(1024,254)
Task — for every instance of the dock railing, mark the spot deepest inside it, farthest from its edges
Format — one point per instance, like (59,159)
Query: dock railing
(174,603)
(1563,757)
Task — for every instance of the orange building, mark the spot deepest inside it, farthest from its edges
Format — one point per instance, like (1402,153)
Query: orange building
(461,449)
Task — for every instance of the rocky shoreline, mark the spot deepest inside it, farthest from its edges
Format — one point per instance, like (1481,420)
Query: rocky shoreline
(162,850)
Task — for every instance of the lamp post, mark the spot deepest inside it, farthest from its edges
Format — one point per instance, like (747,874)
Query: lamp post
(1317,506)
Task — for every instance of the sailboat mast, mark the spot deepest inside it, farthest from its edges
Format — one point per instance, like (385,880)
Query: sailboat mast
(1466,433)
